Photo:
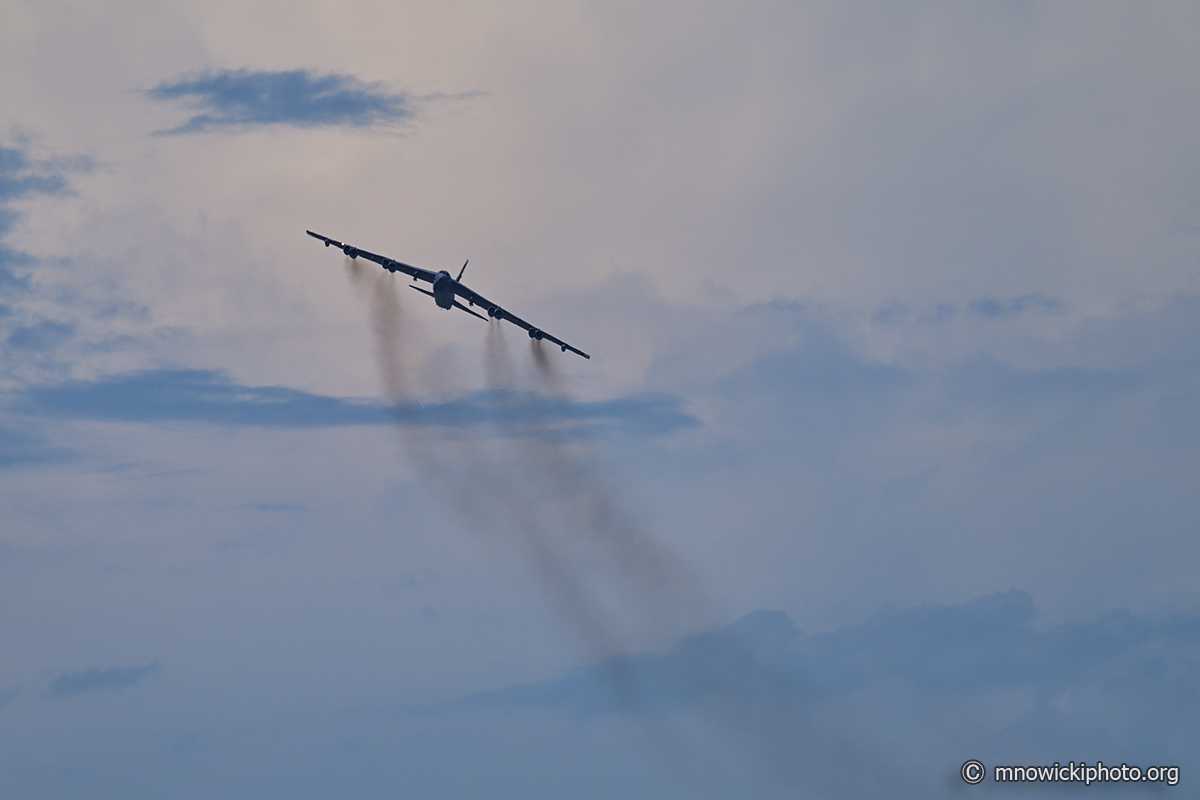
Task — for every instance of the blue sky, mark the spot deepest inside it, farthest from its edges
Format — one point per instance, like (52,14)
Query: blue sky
(885,458)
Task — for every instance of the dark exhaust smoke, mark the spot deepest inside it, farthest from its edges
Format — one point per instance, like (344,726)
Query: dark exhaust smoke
(541,489)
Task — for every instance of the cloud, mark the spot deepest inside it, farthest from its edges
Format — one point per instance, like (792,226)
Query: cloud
(1006,309)
(11,258)
(763,658)
(113,679)
(21,176)
(951,364)
(982,678)
(522,412)
(270,507)
(940,650)
(20,447)
(244,98)
(40,336)
(988,307)
(182,395)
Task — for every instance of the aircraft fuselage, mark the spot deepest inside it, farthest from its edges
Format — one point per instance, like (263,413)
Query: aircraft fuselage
(443,290)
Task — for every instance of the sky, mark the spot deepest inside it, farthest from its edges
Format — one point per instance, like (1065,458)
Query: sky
(885,458)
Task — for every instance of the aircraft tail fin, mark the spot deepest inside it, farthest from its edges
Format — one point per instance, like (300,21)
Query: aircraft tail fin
(464,269)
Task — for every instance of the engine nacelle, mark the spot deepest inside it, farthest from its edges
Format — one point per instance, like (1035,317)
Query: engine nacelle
(350,251)
(495,311)
(534,333)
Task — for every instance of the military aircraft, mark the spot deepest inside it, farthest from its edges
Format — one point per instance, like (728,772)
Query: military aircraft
(447,290)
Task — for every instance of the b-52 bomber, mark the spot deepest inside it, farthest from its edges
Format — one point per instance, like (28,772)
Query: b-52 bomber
(447,290)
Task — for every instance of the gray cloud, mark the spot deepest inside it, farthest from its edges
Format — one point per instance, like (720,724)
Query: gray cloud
(823,372)
(988,307)
(112,679)
(763,658)
(178,395)
(168,395)
(40,336)
(21,176)
(11,258)
(982,678)
(525,412)
(992,307)
(23,447)
(270,507)
(244,98)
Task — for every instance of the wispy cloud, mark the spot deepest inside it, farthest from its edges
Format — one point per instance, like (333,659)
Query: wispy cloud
(183,395)
(22,176)
(168,395)
(40,336)
(825,375)
(988,307)
(22,447)
(1005,309)
(269,508)
(112,679)
(244,98)
(514,409)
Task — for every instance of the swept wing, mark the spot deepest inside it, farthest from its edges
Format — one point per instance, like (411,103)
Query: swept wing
(387,263)
(476,299)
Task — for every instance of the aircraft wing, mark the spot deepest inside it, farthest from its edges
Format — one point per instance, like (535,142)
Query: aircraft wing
(476,299)
(389,264)
(472,297)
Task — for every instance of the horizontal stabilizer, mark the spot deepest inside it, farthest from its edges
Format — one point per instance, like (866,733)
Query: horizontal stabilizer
(469,311)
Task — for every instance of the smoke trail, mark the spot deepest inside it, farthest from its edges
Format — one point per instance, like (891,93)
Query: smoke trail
(625,583)
(542,491)
(546,372)
(386,318)
(531,483)
(497,363)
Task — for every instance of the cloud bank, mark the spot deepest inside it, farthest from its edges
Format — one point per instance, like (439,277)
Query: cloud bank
(943,650)
(981,679)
